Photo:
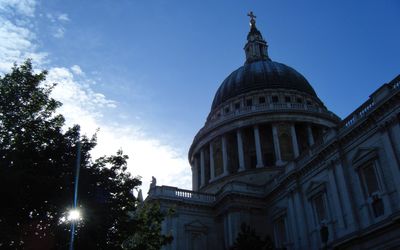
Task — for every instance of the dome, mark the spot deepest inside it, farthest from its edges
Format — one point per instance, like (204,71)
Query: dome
(260,75)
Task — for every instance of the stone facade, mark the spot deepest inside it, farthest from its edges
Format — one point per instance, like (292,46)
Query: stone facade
(273,156)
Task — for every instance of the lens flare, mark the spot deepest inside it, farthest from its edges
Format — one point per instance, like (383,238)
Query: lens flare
(74,215)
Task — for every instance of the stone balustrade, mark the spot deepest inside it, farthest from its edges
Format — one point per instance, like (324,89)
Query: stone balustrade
(364,109)
(348,122)
(359,113)
(179,194)
(174,193)
(262,108)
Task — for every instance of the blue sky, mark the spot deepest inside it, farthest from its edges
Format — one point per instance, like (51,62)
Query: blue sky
(145,72)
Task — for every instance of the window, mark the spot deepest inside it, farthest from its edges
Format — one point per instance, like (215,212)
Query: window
(377,207)
(287,98)
(261,99)
(309,102)
(299,100)
(237,105)
(280,232)
(226,110)
(275,99)
(249,102)
(370,180)
(320,208)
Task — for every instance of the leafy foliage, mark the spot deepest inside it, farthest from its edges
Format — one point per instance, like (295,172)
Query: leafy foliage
(37,175)
(247,239)
(148,228)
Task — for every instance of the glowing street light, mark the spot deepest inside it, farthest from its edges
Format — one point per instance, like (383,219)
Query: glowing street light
(74,215)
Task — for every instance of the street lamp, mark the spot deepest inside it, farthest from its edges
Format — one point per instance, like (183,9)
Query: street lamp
(74,215)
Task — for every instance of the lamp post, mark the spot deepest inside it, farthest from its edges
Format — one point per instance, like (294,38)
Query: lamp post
(74,214)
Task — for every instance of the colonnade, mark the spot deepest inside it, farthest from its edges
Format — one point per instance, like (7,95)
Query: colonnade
(250,152)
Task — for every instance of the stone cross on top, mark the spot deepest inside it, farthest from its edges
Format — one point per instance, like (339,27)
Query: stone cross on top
(252,20)
(251,15)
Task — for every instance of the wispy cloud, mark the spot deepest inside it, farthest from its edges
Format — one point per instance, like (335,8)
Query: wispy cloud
(57,23)
(59,32)
(148,156)
(77,70)
(83,105)
(17,40)
(17,44)
(63,17)
(20,7)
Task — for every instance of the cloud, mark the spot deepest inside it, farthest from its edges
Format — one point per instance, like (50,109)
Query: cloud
(17,44)
(63,17)
(148,156)
(21,7)
(84,106)
(77,70)
(59,32)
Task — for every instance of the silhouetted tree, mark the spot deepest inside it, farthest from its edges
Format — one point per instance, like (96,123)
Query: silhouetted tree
(247,239)
(37,175)
(148,232)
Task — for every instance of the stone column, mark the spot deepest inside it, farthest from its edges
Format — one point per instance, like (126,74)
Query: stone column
(260,163)
(240,150)
(212,168)
(391,159)
(310,135)
(351,221)
(202,169)
(195,174)
(396,136)
(224,156)
(294,141)
(276,145)
(293,223)
(337,204)
(303,220)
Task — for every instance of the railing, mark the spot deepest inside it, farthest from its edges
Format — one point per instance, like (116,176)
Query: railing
(268,107)
(348,122)
(176,193)
(359,113)
(365,108)
(396,85)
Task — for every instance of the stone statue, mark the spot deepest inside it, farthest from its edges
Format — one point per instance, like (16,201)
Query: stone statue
(153,182)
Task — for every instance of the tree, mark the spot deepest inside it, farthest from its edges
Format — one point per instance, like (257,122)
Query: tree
(247,239)
(38,169)
(148,228)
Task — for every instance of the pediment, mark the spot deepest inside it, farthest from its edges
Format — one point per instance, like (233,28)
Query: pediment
(196,226)
(278,211)
(315,187)
(364,154)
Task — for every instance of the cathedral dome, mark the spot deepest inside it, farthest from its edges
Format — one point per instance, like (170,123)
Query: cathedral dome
(260,75)
(264,116)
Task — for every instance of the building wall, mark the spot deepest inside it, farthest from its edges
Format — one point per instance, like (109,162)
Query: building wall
(346,190)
